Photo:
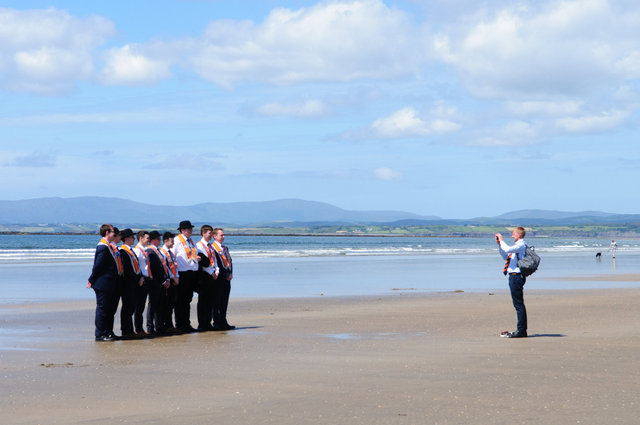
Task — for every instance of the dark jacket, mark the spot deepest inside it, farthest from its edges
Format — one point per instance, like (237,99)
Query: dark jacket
(104,275)
(130,275)
(158,273)
(224,272)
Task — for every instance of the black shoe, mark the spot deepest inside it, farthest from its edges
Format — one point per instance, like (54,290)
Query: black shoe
(187,330)
(106,338)
(130,336)
(230,327)
(205,328)
(518,334)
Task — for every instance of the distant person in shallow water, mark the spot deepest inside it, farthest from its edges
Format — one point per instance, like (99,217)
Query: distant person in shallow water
(104,280)
(613,246)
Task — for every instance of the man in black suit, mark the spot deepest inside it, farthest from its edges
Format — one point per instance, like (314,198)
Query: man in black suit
(132,281)
(222,284)
(208,271)
(158,283)
(104,280)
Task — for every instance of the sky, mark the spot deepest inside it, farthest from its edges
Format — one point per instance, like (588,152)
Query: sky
(452,108)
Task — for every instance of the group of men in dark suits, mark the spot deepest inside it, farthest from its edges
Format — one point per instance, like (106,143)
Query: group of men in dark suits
(161,274)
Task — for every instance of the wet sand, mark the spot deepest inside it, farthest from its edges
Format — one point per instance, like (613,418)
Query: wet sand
(404,358)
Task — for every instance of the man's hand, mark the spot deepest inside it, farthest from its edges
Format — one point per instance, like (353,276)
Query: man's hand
(175,281)
(89,285)
(141,282)
(498,238)
(166,283)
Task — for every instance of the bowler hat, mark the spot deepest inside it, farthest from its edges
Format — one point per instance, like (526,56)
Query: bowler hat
(185,224)
(126,233)
(153,235)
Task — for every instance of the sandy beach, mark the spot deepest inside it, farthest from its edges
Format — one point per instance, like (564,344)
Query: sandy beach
(403,358)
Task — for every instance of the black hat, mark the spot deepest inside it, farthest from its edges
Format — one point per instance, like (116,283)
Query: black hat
(153,235)
(185,224)
(126,233)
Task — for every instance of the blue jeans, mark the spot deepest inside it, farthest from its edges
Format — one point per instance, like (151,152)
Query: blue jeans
(516,285)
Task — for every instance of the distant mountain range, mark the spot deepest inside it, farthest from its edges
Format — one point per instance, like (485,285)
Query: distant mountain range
(116,210)
(283,213)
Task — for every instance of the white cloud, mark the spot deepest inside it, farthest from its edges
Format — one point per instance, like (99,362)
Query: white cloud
(629,65)
(306,109)
(402,123)
(34,159)
(204,161)
(128,65)
(544,108)
(514,133)
(387,174)
(605,121)
(48,51)
(330,41)
(552,47)
(406,122)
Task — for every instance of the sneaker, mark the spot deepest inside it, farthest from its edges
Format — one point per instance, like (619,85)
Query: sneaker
(505,334)
(518,334)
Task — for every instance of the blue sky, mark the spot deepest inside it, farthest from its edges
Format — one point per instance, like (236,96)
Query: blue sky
(451,108)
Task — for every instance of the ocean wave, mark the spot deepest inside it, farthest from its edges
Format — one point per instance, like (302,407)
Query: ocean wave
(20,255)
(87,254)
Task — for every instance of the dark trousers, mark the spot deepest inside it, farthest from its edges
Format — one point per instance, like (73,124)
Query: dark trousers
(222,289)
(205,300)
(106,307)
(142,292)
(170,306)
(188,281)
(129,291)
(516,285)
(156,309)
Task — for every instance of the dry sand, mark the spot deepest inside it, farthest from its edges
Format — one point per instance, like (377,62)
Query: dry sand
(398,359)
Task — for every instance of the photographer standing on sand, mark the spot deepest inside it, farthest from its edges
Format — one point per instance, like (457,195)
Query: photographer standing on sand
(511,254)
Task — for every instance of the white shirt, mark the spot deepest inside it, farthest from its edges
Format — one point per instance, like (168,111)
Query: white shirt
(518,249)
(141,253)
(186,262)
(207,251)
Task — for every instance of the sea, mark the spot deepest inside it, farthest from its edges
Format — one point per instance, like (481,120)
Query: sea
(44,268)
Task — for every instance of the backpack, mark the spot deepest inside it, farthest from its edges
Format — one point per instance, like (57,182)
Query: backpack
(529,263)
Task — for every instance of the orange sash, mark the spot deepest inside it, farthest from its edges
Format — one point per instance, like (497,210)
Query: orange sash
(114,253)
(134,258)
(172,264)
(210,253)
(146,257)
(225,261)
(162,260)
(191,252)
